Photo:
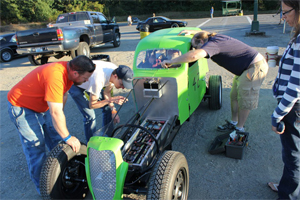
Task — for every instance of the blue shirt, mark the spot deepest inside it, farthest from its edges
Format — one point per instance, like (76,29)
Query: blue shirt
(230,53)
(286,87)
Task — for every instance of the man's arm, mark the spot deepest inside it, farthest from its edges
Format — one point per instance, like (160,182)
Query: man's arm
(59,123)
(188,57)
(107,95)
(189,32)
(94,103)
(65,98)
(108,99)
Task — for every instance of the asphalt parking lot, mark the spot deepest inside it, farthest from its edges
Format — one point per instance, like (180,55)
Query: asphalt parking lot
(211,176)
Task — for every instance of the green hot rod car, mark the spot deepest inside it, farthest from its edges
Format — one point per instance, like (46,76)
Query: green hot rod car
(139,157)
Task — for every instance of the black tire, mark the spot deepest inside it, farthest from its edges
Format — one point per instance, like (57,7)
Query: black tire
(117,40)
(83,49)
(175,25)
(62,163)
(38,59)
(6,55)
(215,92)
(169,178)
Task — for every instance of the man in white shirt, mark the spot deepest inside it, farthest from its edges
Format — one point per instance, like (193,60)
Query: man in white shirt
(96,93)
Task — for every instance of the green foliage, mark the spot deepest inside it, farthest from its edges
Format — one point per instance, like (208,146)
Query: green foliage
(10,12)
(95,6)
(22,11)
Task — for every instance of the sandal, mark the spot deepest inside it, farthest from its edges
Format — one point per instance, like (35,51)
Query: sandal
(273,186)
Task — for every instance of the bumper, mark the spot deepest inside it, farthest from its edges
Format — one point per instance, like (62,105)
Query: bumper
(40,50)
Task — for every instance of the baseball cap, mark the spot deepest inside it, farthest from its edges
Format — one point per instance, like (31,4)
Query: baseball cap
(126,74)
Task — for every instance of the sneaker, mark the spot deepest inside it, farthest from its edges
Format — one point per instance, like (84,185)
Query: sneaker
(226,127)
(242,130)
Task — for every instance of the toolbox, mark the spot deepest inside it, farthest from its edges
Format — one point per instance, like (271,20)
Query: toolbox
(232,146)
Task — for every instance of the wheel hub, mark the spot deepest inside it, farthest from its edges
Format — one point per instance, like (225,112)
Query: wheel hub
(179,185)
(6,56)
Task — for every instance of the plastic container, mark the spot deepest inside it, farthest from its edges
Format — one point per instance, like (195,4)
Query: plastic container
(235,149)
(144,30)
(223,143)
(218,145)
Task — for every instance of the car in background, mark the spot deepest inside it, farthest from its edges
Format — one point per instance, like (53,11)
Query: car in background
(160,22)
(8,46)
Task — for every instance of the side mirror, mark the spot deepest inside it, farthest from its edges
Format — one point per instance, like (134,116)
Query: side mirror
(113,20)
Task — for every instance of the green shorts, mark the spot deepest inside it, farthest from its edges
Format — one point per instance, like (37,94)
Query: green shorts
(245,89)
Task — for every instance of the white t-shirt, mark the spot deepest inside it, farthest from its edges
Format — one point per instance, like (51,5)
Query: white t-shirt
(100,77)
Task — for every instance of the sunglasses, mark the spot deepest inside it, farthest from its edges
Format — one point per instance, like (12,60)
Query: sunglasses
(284,13)
(90,71)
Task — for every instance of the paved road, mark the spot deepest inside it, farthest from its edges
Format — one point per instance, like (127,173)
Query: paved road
(211,176)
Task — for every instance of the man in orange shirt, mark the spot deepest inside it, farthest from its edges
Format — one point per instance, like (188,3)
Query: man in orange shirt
(35,106)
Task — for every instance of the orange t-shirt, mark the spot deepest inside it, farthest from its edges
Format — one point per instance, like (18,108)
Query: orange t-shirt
(45,83)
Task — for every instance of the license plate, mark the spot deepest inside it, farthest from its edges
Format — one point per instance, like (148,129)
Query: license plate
(38,50)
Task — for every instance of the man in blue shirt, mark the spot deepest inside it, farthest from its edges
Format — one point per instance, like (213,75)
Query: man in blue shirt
(247,64)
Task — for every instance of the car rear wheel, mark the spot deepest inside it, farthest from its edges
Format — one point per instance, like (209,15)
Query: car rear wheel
(38,59)
(117,40)
(215,92)
(6,55)
(169,178)
(175,25)
(83,49)
(63,174)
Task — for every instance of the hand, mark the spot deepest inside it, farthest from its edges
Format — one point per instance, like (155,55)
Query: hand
(166,64)
(116,119)
(185,32)
(74,143)
(118,100)
(275,130)
(267,57)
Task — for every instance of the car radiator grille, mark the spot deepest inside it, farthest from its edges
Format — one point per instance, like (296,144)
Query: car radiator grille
(103,173)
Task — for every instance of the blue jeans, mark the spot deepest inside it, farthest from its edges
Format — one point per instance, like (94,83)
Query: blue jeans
(289,185)
(89,116)
(36,131)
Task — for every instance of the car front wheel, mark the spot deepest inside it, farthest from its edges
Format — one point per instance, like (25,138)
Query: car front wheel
(63,174)
(6,55)
(170,177)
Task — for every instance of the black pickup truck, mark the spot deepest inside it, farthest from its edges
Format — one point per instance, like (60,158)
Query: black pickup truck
(73,34)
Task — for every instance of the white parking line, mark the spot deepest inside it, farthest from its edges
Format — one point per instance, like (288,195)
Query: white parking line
(225,21)
(249,20)
(203,23)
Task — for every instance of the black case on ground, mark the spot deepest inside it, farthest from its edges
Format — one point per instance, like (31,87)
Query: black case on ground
(222,144)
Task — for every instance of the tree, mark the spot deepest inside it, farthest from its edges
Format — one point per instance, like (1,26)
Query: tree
(10,12)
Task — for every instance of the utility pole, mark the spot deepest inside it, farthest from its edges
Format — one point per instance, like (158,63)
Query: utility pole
(255,22)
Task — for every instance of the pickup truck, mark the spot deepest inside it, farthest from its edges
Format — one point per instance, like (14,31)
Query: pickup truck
(73,34)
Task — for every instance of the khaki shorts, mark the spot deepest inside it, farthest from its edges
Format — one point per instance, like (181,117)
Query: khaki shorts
(246,90)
